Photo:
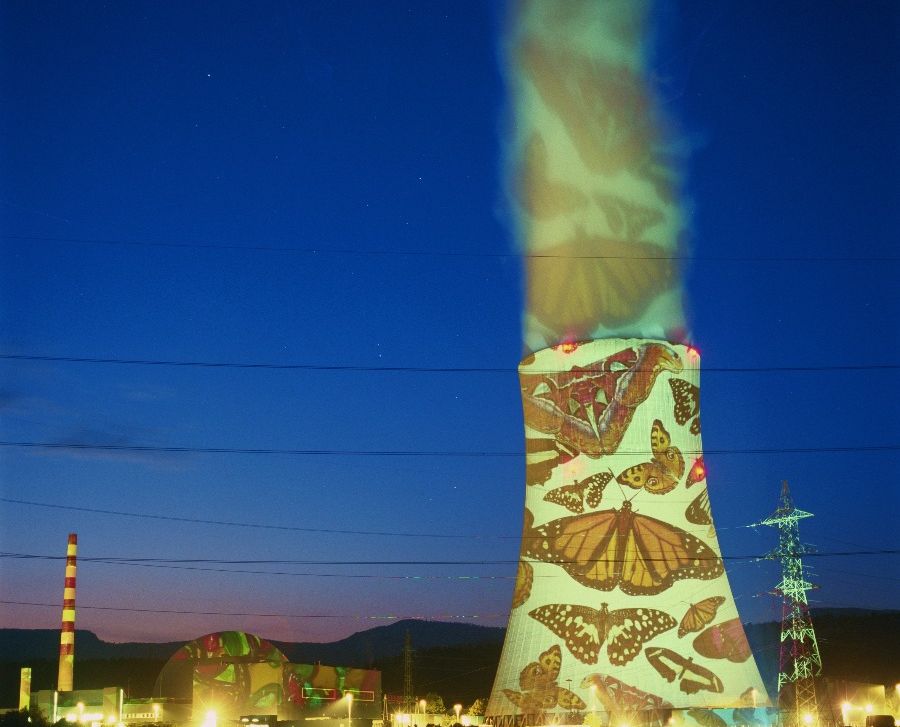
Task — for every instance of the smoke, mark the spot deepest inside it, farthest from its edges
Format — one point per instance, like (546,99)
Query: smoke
(591,181)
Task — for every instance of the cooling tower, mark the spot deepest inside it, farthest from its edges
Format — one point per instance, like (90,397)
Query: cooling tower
(67,631)
(622,611)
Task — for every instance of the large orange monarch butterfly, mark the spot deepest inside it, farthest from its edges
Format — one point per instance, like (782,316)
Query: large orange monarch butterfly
(699,615)
(540,690)
(691,677)
(585,629)
(609,548)
(663,473)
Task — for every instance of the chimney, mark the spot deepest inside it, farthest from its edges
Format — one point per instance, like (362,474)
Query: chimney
(67,632)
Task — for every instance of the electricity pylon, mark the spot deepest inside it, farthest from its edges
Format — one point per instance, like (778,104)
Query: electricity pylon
(799,660)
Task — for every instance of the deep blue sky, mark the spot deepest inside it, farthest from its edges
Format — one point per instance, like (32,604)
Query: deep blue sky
(371,128)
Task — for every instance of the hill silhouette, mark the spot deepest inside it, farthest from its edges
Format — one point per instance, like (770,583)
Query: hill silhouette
(457,661)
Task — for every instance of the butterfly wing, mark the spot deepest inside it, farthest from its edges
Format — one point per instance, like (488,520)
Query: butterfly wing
(667,663)
(585,545)
(596,484)
(570,497)
(656,554)
(551,661)
(649,476)
(540,195)
(687,403)
(524,579)
(542,456)
(699,615)
(516,698)
(698,511)
(586,281)
(635,626)
(664,472)
(532,676)
(583,629)
(726,640)
(569,700)
(617,696)
(698,678)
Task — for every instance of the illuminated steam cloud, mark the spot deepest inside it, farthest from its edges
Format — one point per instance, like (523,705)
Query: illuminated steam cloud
(595,196)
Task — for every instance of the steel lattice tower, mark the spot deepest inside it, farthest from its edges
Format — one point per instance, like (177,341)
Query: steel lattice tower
(799,660)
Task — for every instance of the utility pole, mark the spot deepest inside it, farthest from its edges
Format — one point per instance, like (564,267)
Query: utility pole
(799,660)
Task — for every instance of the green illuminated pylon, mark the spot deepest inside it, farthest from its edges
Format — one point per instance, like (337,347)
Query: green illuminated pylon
(799,661)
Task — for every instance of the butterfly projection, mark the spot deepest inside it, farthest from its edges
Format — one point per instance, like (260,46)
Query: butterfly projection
(587,491)
(609,548)
(538,682)
(627,219)
(691,677)
(663,473)
(587,409)
(687,403)
(698,511)
(524,579)
(697,472)
(585,629)
(726,640)
(619,698)
(585,281)
(699,615)
(541,196)
(706,718)
(542,456)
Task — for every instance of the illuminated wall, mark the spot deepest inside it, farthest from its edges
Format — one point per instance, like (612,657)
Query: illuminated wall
(622,609)
(234,673)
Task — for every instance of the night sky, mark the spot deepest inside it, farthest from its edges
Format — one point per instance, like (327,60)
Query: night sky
(320,184)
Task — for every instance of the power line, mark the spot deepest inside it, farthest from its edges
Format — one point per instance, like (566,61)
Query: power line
(173,449)
(385,617)
(409,369)
(363,252)
(263,526)
(295,528)
(226,561)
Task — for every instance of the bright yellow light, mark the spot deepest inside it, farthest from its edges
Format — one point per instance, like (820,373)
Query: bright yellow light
(110,720)
(869,708)
(846,705)
(808,718)
(70,717)
(211,716)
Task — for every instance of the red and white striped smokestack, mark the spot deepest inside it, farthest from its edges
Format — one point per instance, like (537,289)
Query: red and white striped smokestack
(67,632)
